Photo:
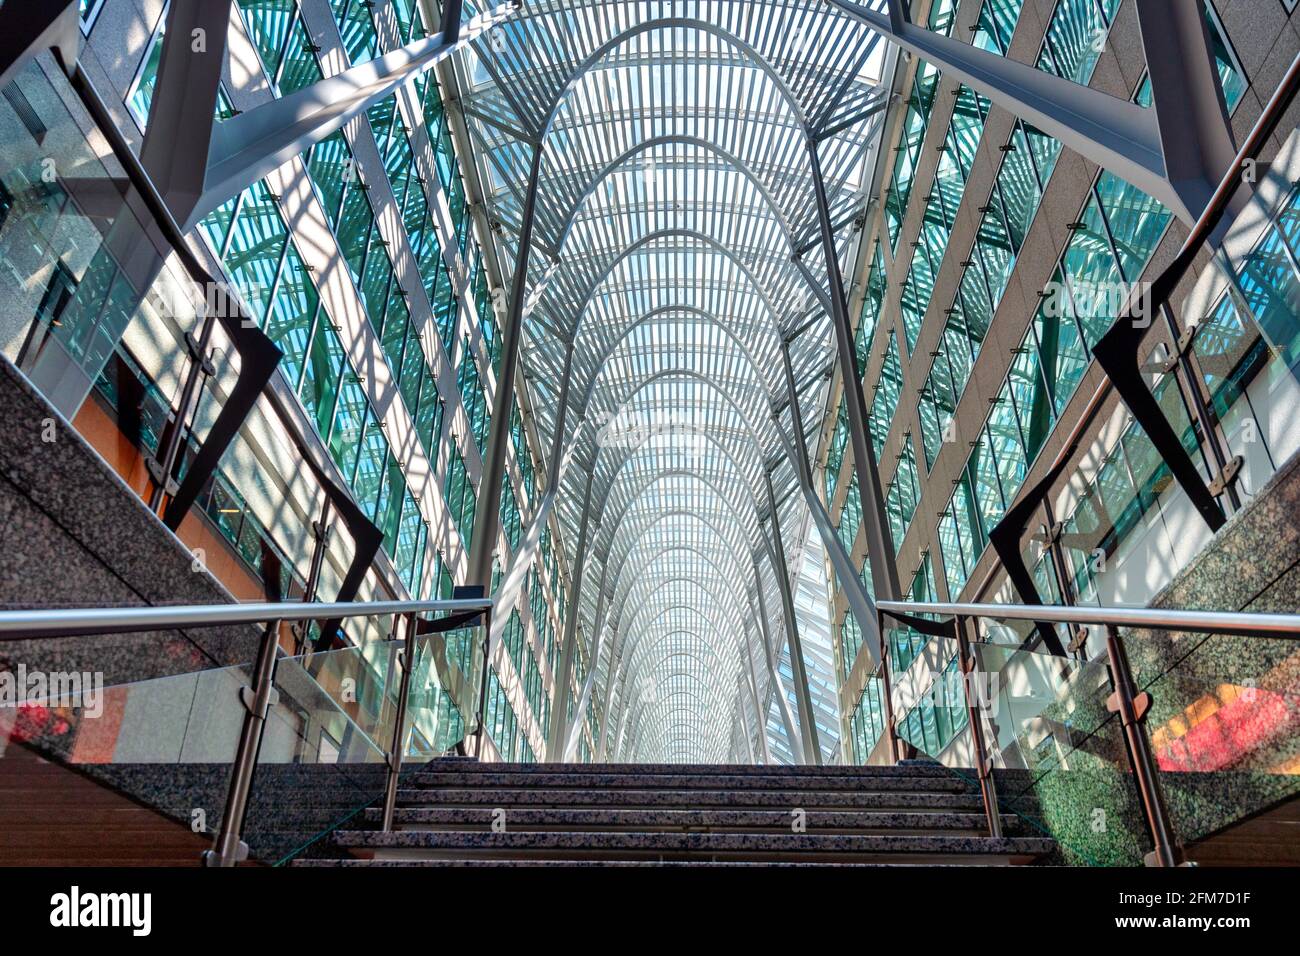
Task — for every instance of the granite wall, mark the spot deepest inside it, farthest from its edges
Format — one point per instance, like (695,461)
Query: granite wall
(72,534)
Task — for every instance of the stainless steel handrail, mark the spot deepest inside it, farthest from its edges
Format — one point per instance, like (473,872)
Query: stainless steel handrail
(1257,624)
(69,622)
(229,848)
(1128,702)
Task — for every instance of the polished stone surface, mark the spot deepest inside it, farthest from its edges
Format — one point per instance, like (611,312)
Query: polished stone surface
(72,534)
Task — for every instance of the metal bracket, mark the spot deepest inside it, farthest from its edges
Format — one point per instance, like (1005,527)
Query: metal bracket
(1181,348)
(212,859)
(1079,642)
(1050,534)
(1141,704)
(155,469)
(258,705)
(1228,476)
(195,349)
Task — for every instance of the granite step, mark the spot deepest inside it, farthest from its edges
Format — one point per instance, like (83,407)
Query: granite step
(633,798)
(777,821)
(470,765)
(426,845)
(588,779)
(353,862)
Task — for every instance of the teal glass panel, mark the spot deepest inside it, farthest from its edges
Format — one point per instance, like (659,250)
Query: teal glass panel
(389,510)
(269,23)
(331,168)
(411,540)
(983,471)
(1136,222)
(1267,282)
(299,69)
(257,242)
(1002,433)
(888,391)
(428,416)
(320,381)
(1033,404)
(1231,78)
(1093,273)
(345,437)
(872,303)
(377,281)
(141,95)
(996,24)
(293,310)
(472,397)
(371,458)
(1075,39)
(1062,352)
(357,29)
(835,453)
(353,229)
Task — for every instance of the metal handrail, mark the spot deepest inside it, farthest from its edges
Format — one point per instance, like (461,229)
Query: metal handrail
(1245,623)
(1131,705)
(75,622)
(229,849)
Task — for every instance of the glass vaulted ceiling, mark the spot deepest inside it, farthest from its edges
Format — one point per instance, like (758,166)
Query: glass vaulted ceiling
(674,189)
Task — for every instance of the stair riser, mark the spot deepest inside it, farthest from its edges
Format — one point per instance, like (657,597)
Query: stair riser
(693,843)
(408,857)
(771,820)
(503,863)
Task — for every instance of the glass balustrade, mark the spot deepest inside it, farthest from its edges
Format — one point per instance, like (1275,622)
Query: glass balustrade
(170,742)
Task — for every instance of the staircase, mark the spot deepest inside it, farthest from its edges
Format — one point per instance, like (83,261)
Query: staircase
(458,812)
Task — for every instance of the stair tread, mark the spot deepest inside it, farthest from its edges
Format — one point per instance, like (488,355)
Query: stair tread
(550,797)
(499,862)
(468,765)
(688,817)
(733,842)
(585,780)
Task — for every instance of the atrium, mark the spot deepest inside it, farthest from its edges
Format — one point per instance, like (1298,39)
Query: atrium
(648,421)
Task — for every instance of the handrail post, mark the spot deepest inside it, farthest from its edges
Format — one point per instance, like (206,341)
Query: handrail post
(321,531)
(229,849)
(979,745)
(886,692)
(483,684)
(1132,708)
(406,661)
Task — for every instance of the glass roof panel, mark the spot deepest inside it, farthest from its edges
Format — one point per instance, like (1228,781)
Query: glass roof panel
(673,198)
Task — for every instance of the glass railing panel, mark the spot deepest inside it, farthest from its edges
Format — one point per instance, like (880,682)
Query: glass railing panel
(323,760)
(322,756)
(1063,766)
(76,264)
(168,741)
(443,706)
(1222,724)
(1058,755)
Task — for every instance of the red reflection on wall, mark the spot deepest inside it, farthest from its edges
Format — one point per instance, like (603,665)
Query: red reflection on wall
(1238,727)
